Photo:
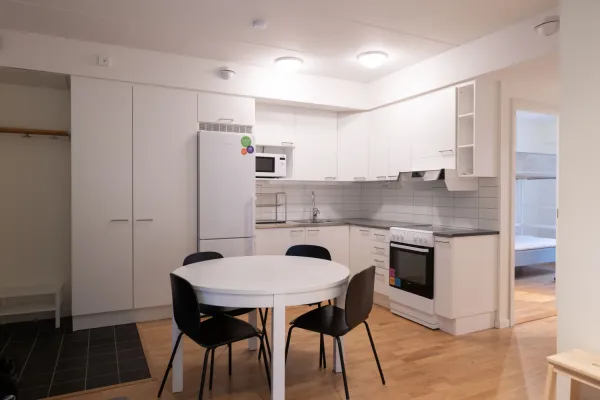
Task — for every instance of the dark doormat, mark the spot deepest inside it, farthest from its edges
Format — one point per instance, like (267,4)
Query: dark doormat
(53,362)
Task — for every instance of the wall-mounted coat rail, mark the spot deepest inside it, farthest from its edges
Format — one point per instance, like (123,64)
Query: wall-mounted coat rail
(26,131)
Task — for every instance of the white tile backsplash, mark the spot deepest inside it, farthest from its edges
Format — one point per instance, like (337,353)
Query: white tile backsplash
(430,203)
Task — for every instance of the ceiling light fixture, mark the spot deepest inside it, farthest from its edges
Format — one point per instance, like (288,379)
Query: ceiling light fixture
(548,27)
(372,59)
(289,64)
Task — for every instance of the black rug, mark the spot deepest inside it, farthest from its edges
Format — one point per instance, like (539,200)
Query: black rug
(52,361)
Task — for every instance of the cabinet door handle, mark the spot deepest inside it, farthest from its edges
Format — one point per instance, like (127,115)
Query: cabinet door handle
(378,234)
(381,178)
(313,230)
(379,274)
(330,178)
(378,248)
(287,144)
(360,178)
(393,176)
(364,230)
(145,219)
(229,120)
(120,220)
(446,151)
(297,230)
(379,261)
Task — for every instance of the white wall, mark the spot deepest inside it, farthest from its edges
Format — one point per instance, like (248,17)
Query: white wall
(35,174)
(578,274)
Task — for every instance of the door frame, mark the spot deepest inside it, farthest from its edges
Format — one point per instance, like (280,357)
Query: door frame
(519,105)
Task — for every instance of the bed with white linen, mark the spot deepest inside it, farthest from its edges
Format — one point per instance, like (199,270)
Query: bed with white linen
(532,250)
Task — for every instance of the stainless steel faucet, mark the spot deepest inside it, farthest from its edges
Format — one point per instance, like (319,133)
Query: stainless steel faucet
(315,210)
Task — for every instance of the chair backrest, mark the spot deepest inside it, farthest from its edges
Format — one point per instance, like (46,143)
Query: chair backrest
(309,250)
(202,256)
(359,297)
(185,305)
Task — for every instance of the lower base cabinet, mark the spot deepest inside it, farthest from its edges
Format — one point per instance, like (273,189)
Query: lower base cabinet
(276,241)
(333,238)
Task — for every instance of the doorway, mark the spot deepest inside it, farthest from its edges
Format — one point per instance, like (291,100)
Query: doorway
(535,210)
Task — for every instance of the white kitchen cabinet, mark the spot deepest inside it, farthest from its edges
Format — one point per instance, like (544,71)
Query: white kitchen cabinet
(164,189)
(360,249)
(382,284)
(353,146)
(225,109)
(274,125)
(315,140)
(465,283)
(101,196)
(277,241)
(333,238)
(432,123)
(379,144)
(401,129)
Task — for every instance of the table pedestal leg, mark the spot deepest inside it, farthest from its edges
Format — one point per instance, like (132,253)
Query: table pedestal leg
(278,344)
(252,320)
(177,373)
(337,364)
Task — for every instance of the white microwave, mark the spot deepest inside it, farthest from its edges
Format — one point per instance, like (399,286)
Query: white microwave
(271,165)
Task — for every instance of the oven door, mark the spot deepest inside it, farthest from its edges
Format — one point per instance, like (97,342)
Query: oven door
(411,269)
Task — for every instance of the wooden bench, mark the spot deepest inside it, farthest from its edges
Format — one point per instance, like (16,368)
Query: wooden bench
(19,291)
(579,366)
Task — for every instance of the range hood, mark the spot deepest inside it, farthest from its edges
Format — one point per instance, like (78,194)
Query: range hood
(448,176)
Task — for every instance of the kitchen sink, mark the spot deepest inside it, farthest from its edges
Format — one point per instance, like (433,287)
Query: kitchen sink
(310,221)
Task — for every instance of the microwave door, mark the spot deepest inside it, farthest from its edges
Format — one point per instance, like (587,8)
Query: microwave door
(265,165)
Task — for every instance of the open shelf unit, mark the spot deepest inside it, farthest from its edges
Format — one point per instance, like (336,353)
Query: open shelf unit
(476,128)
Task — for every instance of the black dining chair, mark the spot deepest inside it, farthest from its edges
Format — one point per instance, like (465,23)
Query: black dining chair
(212,311)
(214,332)
(313,251)
(337,322)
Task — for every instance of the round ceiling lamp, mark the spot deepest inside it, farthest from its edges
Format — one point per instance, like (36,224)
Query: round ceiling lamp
(548,27)
(372,59)
(289,64)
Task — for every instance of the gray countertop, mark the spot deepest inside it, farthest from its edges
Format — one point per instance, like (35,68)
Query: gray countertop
(383,224)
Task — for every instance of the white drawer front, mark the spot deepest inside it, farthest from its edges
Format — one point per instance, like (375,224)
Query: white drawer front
(380,248)
(380,235)
(380,261)
(382,281)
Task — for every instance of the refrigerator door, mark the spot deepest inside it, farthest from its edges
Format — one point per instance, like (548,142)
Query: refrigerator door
(226,185)
(229,247)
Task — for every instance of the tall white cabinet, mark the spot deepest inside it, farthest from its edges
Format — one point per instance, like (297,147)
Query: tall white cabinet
(316,150)
(353,146)
(164,189)
(101,196)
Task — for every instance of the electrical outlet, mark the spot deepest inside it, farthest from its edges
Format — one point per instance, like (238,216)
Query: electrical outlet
(104,61)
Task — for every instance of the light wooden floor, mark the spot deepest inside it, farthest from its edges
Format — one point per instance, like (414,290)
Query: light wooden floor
(534,293)
(418,363)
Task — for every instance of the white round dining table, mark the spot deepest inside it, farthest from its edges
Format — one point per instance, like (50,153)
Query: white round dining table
(264,282)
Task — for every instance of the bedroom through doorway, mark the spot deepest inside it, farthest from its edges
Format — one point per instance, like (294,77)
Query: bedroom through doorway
(535,208)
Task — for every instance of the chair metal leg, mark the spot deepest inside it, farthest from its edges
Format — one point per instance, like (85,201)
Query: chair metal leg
(229,348)
(203,374)
(170,365)
(375,352)
(323,352)
(287,343)
(266,362)
(341,351)
(320,351)
(263,320)
(212,368)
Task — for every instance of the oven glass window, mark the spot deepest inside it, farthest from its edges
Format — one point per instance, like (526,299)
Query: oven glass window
(410,266)
(265,164)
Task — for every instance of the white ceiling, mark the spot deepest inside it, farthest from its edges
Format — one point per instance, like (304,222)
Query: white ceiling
(24,77)
(327,34)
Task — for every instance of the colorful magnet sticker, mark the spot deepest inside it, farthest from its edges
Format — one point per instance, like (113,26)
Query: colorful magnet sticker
(250,149)
(398,282)
(392,272)
(392,281)
(244,151)
(246,141)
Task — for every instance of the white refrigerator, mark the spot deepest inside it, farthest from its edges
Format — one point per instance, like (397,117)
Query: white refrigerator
(226,193)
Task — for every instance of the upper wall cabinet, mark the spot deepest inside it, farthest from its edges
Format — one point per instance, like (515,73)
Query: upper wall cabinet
(274,125)
(432,122)
(315,140)
(353,146)
(401,127)
(389,142)
(225,109)
(477,129)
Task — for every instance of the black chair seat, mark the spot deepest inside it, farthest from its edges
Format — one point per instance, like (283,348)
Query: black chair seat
(221,330)
(329,320)
(216,310)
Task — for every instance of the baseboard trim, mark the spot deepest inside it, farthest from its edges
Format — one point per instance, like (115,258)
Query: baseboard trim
(121,317)
(502,323)
(381,300)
